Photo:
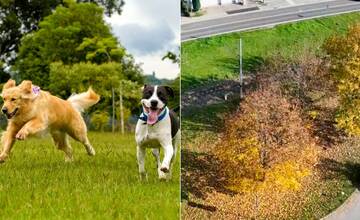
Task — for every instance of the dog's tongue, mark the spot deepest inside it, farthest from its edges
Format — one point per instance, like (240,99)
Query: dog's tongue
(153,117)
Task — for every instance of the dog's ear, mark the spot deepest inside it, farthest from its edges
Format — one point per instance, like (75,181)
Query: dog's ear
(170,91)
(29,91)
(26,85)
(9,84)
(144,87)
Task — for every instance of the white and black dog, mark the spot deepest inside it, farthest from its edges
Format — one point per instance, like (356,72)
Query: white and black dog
(158,126)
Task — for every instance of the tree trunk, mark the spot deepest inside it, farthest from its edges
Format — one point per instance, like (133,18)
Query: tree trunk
(113,110)
(121,110)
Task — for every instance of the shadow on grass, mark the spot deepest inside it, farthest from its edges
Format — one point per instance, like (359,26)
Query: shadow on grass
(315,93)
(332,169)
(209,118)
(230,69)
(202,206)
(201,174)
(205,108)
(324,125)
(232,64)
(328,134)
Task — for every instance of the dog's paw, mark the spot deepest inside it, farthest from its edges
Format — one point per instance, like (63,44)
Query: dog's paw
(21,135)
(164,169)
(143,176)
(91,152)
(162,175)
(69,159)
(3,158)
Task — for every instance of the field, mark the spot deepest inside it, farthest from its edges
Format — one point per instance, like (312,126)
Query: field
(211,64)
(36,183)
(217,57)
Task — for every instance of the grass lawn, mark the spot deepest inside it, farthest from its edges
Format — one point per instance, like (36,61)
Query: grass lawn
(36,183)
(217,57)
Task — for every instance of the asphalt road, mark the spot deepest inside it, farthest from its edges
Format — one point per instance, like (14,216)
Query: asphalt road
(265,18)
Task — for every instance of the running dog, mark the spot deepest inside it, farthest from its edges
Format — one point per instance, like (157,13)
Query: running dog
(31,111)
(158,126)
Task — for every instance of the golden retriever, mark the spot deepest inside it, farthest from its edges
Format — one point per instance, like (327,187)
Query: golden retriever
(31,111)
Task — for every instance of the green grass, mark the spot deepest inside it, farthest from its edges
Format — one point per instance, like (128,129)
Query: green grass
(326,198)
(36,183)
(217,57)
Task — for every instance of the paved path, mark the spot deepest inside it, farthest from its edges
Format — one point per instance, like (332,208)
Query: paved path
(350,210)
(217,11)
(264,18)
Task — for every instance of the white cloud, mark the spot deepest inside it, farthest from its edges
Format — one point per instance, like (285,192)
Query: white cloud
(148,29)
(151,62)
(145,39)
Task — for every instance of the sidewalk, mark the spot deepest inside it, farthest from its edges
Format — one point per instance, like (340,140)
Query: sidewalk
(218,11)
(349,210)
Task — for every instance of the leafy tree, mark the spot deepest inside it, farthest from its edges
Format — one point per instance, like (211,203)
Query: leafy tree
(344,54)
(99,120)
(111,6)
(74,49)
(19,18)
(265,144)
(68,79)
(58,38)
(175,85)
(3,75)
(72,34)
(100,50)
(132,71)
(127,90)
(171,56)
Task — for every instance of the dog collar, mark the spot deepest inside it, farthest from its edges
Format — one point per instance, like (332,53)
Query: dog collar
(144,116)
(36,90)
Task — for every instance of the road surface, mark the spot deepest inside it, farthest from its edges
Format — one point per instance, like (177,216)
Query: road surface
(265,18)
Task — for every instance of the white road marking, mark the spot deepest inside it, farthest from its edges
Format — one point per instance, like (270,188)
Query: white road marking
(322,7)
(290,2)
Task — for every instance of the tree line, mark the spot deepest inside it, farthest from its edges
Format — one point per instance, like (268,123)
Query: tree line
(65,47)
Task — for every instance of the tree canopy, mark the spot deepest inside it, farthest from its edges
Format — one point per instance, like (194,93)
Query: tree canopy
(65,46)
(18,18)
(73,34)
(344,54)
(68,79)
(73,49)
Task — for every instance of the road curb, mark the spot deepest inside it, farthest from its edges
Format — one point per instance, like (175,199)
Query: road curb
(341,213)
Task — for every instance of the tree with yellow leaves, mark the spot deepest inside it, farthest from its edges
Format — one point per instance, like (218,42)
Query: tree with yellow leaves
(266,141)
(344,53)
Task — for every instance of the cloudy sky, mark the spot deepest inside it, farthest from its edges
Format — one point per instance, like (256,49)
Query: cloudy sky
(148,29)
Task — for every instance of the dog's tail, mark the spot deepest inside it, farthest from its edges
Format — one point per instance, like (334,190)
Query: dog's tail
(84,100)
